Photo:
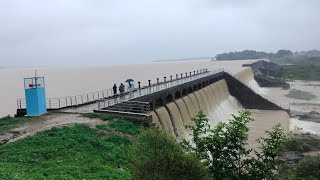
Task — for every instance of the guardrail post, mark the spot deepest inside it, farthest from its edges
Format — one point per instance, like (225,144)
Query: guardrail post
(170,77)
(149,82)
(165,79)
(190,73)
(71,100)
(200,71)
(66,101)
(176,76)
(102,94)
(139,84)
(186,74)
(181,75)
(194,72)
(197,71)
(59,103)
(81,99)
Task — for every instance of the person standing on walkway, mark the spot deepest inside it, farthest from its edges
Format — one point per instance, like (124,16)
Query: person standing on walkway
(114,89)
(121,88)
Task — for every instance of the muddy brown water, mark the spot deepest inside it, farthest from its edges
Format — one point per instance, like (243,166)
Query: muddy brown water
(68,81)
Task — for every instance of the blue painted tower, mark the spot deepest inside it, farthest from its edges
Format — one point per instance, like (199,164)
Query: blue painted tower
(35,95)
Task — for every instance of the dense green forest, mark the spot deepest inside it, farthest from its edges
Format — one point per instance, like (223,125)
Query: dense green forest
(281,56)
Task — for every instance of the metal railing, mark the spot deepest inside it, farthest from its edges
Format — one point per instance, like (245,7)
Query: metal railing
(107,98)
(69,101)
(146,90)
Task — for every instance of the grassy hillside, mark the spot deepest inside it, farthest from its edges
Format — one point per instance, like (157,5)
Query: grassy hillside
(76,152)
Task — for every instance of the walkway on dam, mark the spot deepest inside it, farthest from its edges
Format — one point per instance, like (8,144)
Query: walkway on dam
(89,102)
(86,103)
(139,92)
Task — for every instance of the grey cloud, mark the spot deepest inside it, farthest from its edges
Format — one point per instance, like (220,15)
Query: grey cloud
(60,32)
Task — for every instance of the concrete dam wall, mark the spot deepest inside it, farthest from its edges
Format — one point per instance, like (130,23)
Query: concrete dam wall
(215,100)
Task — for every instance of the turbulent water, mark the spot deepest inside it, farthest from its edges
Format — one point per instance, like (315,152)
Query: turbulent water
(297,125)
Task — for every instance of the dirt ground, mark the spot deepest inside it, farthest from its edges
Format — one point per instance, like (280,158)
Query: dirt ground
(46,122)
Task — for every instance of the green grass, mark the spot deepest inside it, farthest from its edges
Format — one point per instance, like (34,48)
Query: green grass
(8,123)
(70,153)
(299,72)
(103,127)
(124,126)
(301,95)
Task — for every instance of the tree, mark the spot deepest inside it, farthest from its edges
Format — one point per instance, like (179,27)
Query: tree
(158,156)
(283,53)
(224,149)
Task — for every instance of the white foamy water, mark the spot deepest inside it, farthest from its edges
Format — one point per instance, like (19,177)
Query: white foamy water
(297,125)
(69,81)
(312,87)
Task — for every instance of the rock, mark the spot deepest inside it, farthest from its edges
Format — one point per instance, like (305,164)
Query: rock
(291,157)
(309,116)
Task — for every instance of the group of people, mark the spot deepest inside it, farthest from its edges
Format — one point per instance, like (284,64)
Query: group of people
(121,88)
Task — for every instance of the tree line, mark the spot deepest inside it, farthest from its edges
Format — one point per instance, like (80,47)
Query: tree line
(279,55)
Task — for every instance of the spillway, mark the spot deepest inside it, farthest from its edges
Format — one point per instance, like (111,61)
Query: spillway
(176,119)
(247,77)
(218,104)
(215,100)
(165,120)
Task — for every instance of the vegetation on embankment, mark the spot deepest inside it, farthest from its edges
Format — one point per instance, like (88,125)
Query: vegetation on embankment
(8,123)
(300,157)
(298,72)
(301,95)
(76,152)
(120,149)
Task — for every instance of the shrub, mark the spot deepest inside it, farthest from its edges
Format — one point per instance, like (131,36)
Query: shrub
(157,156)
(224,150)
(309,168)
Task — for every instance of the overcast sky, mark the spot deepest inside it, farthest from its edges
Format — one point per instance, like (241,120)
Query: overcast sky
(84,32)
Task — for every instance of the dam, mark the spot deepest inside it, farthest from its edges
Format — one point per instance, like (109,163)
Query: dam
(170,103)
(218,94)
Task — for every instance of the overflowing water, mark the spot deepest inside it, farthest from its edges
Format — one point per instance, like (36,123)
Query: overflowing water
(215,100)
